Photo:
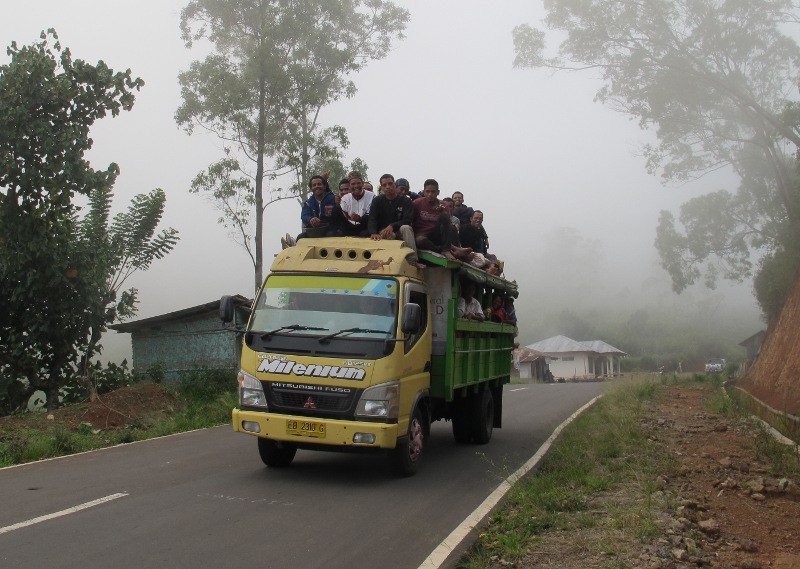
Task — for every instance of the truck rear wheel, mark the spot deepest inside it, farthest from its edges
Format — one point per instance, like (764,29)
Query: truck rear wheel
(482,416)
(275,454)
(405,458)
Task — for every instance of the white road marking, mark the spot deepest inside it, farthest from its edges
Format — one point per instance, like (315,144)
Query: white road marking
(518,389)
(68,511)
(439,555)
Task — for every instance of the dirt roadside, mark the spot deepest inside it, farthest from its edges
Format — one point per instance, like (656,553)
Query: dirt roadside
(722,507)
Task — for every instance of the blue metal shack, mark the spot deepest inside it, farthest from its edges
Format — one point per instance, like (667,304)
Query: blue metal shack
(189,339)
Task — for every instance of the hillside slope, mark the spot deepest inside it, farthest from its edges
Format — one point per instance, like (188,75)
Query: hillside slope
(775,376)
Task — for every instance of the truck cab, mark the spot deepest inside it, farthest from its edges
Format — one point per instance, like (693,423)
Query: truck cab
(348,346)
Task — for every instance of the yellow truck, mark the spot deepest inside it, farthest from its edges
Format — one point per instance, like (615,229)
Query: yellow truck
(350,347)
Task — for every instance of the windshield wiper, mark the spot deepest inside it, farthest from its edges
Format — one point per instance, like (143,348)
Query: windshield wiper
(351,331)
(266,335)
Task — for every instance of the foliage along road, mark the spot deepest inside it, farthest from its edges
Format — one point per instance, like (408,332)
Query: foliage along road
(204,499)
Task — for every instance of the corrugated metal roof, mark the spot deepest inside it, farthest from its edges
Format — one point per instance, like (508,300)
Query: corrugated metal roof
(526,355)
(238,300)
(562,344)
(601,347)
(558,344)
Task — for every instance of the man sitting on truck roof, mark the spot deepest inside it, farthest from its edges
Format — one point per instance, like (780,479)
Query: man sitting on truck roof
(432,227)
(404,187)
(461,210)
(344,189)
(390,216)
(473,234)
(355,206)
(318,210)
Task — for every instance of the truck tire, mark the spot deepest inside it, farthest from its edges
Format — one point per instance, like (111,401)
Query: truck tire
(274,454)
(462,427)
(405,458)
(482,416)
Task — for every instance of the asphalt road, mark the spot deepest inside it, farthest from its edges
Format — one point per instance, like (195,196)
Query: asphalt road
(204,499)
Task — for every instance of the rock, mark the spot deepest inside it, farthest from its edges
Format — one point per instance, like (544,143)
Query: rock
(709,527)
(726,462)
(720,428)
(758,497)
(679,554)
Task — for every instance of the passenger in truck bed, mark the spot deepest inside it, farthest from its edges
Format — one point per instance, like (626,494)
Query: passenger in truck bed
(468,305)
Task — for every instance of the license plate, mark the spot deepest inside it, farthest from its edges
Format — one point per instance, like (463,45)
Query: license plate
(305,428)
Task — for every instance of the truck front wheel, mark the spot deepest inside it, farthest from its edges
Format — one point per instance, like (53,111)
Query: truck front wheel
(405,458)
(274,454)
(482,416)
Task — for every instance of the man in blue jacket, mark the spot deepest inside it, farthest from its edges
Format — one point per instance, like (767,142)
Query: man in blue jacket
(319,212)
(320,208)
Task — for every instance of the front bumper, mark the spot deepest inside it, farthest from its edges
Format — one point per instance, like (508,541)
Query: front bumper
(337,433)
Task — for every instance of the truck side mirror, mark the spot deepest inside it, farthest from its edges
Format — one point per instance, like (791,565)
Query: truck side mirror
(412,318)
(226,308)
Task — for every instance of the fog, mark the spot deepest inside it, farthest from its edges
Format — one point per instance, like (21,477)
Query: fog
(529,148)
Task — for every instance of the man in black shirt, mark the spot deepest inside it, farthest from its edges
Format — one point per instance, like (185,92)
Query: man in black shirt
(390,216)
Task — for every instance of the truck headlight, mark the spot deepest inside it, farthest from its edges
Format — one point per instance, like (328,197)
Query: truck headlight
(380,401)
(251,393)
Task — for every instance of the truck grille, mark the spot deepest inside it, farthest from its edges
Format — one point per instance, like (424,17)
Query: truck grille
(308,400)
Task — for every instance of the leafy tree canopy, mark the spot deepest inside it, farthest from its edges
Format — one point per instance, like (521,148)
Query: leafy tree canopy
(56,269)
(716,80)
(274,66)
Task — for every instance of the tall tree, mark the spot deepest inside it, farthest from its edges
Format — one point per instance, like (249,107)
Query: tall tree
(714,79)
(274,65)
(48,102)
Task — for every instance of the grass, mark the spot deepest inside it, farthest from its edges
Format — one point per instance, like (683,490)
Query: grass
(600,449)
(602,477)
(783,459)
(203,400)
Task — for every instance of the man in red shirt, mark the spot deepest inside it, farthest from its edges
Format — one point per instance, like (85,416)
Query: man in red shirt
(433,229)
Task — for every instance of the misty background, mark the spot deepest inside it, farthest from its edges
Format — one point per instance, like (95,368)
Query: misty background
(567,202)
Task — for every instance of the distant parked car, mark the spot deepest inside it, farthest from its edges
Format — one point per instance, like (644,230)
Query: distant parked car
(715,365)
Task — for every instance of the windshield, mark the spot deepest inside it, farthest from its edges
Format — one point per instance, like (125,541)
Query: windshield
(330,307)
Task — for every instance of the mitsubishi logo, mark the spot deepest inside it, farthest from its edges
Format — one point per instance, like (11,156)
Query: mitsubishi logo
(309,404)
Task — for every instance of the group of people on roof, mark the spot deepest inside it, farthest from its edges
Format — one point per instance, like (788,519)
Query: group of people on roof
(446,226)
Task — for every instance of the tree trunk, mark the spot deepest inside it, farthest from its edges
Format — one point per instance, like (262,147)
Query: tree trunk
(86,361)
(51,392)
(259,197)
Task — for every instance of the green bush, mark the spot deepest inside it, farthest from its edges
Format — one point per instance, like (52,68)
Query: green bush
(206,384)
